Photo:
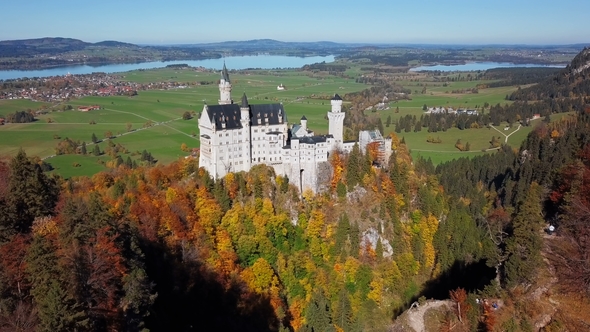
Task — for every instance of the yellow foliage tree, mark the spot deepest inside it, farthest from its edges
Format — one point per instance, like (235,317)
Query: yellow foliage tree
(259,276)
(338,166)
(208,210)
(376,292)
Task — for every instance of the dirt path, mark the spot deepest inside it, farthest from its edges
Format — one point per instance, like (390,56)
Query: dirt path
(416,315)
(506,136)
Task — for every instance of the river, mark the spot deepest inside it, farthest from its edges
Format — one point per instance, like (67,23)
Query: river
(474,66)
(232,62)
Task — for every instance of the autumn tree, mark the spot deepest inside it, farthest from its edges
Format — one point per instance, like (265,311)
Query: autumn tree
(461,306)
(569,252)
(488,318)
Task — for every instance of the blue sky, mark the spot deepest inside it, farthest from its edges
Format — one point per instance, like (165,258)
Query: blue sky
(370,21)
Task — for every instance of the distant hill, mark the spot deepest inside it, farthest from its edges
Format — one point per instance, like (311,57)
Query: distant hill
(30,47)
(571,82)
(51,52)
(267,44)
(112,43)
(50,46)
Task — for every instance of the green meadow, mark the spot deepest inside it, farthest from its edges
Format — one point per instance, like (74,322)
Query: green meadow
(163,109)
(305,94)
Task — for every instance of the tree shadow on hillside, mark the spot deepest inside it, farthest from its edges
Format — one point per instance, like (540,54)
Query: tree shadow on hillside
(471,277)
(190,298)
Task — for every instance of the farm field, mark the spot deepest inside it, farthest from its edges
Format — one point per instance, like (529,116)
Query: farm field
(155,116)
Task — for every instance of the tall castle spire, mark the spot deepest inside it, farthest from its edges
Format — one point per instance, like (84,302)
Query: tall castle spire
(224,87)
(225,74)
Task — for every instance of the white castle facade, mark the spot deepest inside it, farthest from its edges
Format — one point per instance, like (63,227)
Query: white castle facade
(236,137)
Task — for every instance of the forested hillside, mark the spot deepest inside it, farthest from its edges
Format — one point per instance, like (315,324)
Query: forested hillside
(165,248)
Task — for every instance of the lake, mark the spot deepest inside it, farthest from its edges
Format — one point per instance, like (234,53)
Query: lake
(474,66)
(232,62)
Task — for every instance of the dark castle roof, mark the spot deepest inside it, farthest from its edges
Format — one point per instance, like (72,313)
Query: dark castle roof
(303,118)
(336,97)
(310,140)
(228,114)
(231,115)
(273,112)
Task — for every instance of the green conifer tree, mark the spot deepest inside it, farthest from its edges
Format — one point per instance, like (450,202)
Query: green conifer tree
(32,194)
(353,168)
(524,245)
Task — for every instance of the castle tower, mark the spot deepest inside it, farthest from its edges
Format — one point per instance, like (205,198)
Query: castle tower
(247,134)
(336,119)
(304,123)
(224,88)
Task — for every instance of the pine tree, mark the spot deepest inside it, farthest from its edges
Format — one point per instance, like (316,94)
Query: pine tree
(398,128)
(380,125)
(221,195)
(128,162)
(355,240)
(318,314)
(285,184)
(379,249)
(32,194)
(353,168)
(524,246)
(96,150)
(57,309)
(343,316)
(342,231)
(83,148)
(341,190)
(94,138)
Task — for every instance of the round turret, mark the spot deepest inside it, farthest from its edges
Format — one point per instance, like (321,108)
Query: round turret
(336,103)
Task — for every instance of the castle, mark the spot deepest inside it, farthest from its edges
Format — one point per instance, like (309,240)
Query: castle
(235,137)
